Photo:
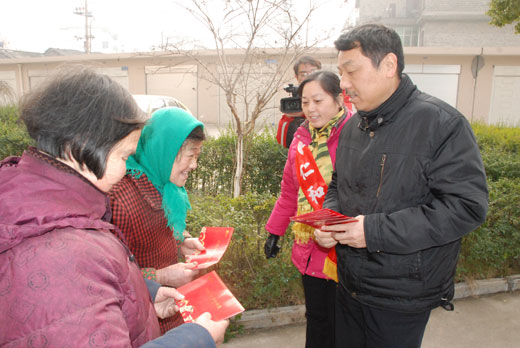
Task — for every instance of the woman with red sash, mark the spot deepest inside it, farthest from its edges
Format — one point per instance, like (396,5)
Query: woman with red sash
(307,173)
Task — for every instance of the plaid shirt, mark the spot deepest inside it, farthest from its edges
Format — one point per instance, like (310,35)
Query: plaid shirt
(136,210)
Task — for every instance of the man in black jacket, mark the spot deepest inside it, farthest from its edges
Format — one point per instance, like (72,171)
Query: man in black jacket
(410,171)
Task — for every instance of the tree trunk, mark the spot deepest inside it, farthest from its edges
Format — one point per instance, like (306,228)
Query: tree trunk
(237,179)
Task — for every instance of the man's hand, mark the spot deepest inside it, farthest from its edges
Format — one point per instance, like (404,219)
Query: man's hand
(217,329)
(190,245)
(325,239)
(352,234)
(177,275)
(165,305)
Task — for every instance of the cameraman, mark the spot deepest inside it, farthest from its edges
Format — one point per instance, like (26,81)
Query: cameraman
(291,121)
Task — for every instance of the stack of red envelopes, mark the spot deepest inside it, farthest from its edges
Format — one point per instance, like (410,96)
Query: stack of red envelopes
(208,294)
(322,217)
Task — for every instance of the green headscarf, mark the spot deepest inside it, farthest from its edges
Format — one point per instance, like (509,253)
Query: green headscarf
(159,144)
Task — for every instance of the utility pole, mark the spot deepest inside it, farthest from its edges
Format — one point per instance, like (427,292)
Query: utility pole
(84,12)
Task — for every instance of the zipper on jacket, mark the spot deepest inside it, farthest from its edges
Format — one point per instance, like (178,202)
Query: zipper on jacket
(382,164)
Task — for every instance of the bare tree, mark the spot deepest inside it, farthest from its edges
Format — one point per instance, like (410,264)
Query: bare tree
(257,30)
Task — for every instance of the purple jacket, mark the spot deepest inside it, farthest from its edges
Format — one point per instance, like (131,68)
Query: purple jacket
(308,258)
(65,280)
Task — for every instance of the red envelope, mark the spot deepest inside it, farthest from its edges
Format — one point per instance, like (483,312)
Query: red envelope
(322,217)
(216,241)
(208,294)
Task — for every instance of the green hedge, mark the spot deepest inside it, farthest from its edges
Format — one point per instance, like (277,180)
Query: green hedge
(264,160)
(500,149)
(13,134)
(257,282)
(493,250)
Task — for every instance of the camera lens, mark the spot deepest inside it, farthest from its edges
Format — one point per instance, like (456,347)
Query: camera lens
(293,105)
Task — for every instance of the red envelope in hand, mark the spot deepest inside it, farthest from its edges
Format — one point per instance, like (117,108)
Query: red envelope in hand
(216,241)
(322,217)
(208,294)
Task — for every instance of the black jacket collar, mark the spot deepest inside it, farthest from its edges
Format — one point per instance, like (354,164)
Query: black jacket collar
(371,120)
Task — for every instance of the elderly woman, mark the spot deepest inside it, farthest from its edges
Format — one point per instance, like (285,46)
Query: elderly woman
(150,203)
(65,280)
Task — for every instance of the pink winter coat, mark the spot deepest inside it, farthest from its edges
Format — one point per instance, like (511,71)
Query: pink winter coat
(308,258)
(65,279)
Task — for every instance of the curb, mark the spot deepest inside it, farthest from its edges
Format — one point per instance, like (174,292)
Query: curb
(280,316)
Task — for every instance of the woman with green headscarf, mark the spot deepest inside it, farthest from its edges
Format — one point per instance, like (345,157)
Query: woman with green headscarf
(150,203)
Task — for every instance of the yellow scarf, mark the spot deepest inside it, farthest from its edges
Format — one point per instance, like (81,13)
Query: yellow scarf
(318,146)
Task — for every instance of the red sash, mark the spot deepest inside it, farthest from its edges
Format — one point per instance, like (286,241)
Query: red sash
(314,188)
(312,183)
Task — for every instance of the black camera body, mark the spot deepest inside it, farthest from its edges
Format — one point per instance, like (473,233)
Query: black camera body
(291,105)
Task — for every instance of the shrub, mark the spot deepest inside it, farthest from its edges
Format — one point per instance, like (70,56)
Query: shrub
(500,148)
(14,138)
(216,164)
(493,250)
(263,165)
(255,281)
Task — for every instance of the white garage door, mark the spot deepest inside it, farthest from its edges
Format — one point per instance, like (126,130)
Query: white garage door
(505,96)
(441,81)
(119,74)
(179,82)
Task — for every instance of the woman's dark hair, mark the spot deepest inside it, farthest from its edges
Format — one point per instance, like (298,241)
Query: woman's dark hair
(329,81)
(81,114)
(196,135)
(375,41)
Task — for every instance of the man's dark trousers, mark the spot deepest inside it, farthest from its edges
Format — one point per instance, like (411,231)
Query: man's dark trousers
(362,326)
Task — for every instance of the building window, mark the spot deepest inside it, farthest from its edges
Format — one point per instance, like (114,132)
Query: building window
(408,35)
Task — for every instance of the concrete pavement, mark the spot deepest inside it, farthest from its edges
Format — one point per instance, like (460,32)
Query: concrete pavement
(483,321)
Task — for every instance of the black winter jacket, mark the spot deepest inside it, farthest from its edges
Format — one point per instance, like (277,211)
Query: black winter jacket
(413,169)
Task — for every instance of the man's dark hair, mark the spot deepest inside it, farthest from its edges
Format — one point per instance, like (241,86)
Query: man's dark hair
(81,114)
(375,41)
(306,60)
(329,81)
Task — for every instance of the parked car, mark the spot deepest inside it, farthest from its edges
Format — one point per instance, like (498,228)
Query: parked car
(150,103)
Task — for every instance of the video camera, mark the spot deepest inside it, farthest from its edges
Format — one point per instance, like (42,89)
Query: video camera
(291,105)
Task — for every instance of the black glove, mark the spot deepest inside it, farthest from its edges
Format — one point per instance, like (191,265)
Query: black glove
(270,247)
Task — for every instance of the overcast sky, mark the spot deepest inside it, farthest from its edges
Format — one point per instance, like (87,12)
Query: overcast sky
(125,25)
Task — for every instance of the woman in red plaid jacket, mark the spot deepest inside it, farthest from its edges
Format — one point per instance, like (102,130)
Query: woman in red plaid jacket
(149,204)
